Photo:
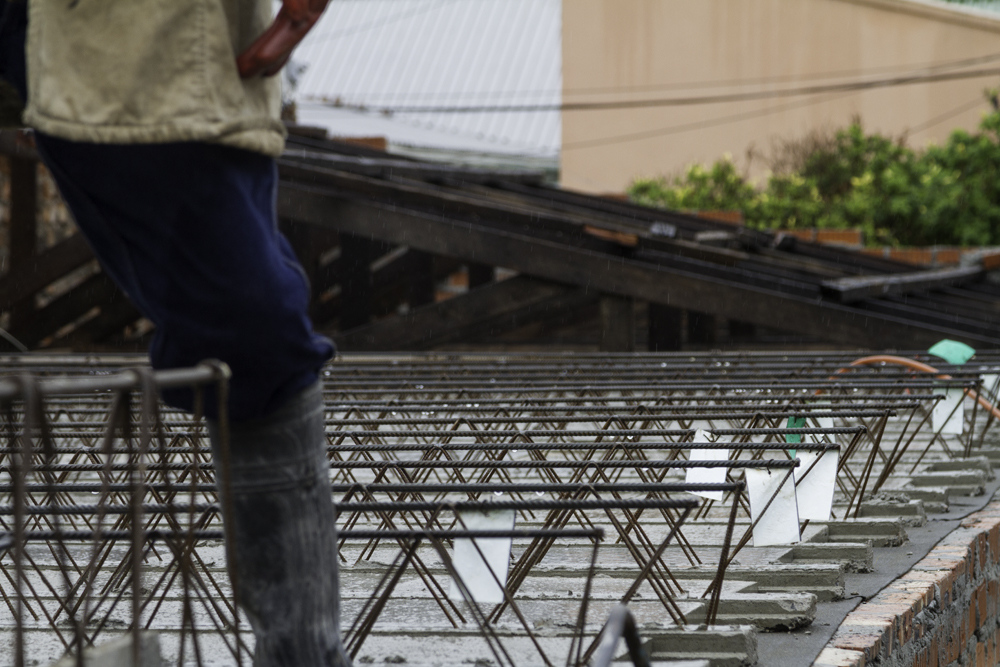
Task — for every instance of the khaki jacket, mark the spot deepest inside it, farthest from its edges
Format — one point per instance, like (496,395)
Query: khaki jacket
(150,71)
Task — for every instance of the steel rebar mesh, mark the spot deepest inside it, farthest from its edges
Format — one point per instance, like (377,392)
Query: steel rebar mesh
(408,438)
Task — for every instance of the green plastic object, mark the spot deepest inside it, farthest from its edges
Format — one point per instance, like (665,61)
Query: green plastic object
(952,351)
(794,438)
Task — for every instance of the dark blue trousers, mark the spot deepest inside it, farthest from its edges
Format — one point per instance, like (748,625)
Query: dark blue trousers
(189,232)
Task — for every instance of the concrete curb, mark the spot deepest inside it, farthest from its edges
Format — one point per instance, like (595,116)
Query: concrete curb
(118,653)
(943,611)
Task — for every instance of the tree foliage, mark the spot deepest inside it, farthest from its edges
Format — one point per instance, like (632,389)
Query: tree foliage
(948,194)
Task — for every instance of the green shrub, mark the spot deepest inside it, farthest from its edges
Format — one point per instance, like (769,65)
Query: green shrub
(947,194)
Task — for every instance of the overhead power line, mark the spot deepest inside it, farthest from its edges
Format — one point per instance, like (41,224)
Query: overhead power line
(850,86)
(696,125)
(395,97)
(927,67)
(757,113)
(972,104)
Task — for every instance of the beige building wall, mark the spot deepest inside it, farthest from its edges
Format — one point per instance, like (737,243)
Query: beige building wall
(626,50)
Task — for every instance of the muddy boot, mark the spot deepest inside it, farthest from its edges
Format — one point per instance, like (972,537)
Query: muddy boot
(284,534)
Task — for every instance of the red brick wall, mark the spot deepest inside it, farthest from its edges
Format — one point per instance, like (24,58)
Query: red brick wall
(942,613)
(847,237)
(924,257)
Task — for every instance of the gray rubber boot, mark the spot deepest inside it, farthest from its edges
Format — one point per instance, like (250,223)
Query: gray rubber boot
(284,534)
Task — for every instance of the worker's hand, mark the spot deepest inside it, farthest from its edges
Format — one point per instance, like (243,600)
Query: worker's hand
(269,53)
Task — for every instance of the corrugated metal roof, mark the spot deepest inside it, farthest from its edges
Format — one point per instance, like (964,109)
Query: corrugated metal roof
(387,53)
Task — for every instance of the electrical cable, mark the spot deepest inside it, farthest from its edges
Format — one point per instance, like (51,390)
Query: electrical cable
(945,116)
(851,86)
(687,85)
(927,67)
(724,120)
(697,125)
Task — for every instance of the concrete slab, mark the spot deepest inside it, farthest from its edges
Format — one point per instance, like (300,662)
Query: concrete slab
(950,478)
(882,532)
(778,612)
(722,646)
(911,512)
(119,653)
(972,463)
(825,580)
(855,556)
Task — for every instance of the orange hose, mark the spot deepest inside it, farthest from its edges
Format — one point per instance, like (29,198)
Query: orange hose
(918,366)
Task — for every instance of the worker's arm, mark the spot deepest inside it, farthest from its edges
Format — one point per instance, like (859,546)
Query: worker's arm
(269,53)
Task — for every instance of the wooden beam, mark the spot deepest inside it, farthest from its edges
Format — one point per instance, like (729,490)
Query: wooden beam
(655,282)
(422,286)
(18,143)
(480,274)
(390,285)
(666,328)
(474,202)
(617,317)
(43,269)
(393,167)
(702,328)
(486,311)
(329,274)
(116,314)
(562,211)
(355,280)
(739,330)
(309,243)
(67,308)
(22,231)
(856,288)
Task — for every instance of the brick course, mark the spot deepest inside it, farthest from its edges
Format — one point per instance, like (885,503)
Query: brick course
(944,612)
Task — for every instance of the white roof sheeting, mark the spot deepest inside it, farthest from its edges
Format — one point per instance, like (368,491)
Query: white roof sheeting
(392,53)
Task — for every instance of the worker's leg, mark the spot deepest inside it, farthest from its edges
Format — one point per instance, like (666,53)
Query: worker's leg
(284,534)
(189,232)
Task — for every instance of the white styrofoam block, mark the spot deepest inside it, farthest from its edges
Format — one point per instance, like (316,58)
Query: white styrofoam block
(949,412)
(706,475)
(780,523)
(823,422)
(470,566)
(815,484)
(990,382)
(118,653)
